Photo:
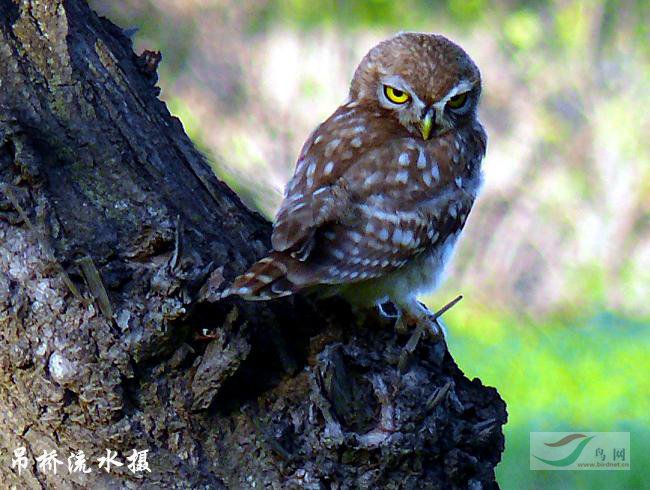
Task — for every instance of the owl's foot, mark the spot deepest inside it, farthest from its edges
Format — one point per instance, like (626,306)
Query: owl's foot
(412,314)
(427,324)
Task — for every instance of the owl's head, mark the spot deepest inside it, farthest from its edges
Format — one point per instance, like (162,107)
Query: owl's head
(429,84)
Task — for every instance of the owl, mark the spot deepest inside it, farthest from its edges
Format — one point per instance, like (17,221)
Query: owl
(383,187)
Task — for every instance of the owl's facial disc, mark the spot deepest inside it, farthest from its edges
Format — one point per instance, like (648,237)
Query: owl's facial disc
(426,119)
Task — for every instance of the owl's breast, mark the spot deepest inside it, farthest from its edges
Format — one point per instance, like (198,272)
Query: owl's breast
(421,275)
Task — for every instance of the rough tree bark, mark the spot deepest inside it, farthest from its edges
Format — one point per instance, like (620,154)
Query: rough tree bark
(114,234)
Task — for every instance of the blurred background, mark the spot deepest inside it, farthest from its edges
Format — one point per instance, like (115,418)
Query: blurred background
(555,260)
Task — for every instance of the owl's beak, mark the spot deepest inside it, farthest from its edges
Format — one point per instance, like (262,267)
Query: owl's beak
(426,123)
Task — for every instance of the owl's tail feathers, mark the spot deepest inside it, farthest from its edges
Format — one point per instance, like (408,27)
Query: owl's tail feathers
(266,279)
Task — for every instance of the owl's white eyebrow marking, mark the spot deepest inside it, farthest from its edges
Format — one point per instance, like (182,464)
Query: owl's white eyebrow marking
(461,87)
(328,168)
(403,159)
(397,82)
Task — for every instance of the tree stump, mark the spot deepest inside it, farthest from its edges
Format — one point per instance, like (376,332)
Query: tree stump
(114,237)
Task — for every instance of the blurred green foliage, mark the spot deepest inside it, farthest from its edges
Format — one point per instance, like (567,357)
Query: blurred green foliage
(588,374)
(525,23)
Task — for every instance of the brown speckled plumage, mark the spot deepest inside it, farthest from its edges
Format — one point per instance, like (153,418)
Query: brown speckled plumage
(375,206)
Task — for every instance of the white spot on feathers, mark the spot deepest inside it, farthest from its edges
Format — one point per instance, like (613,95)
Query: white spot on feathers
(426,176)
(422,160)
(435,172)
(331,146)
(402,176)
(372,179)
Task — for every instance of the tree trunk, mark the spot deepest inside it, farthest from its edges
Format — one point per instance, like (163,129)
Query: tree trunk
(114,237)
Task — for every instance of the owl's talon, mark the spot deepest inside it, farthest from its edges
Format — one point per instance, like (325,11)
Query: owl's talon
(401,326)
(428,324)
(435,329)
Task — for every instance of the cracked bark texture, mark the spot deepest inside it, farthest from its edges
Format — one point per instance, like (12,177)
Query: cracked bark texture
(114,236)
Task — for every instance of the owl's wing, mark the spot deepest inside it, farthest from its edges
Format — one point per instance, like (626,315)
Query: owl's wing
(372,214)
(318,192)
(362,204)
(386,237)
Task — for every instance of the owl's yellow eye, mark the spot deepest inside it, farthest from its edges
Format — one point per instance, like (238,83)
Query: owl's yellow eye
(395,95)
(457,101)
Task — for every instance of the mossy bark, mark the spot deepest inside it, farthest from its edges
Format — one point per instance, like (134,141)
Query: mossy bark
(114,235)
